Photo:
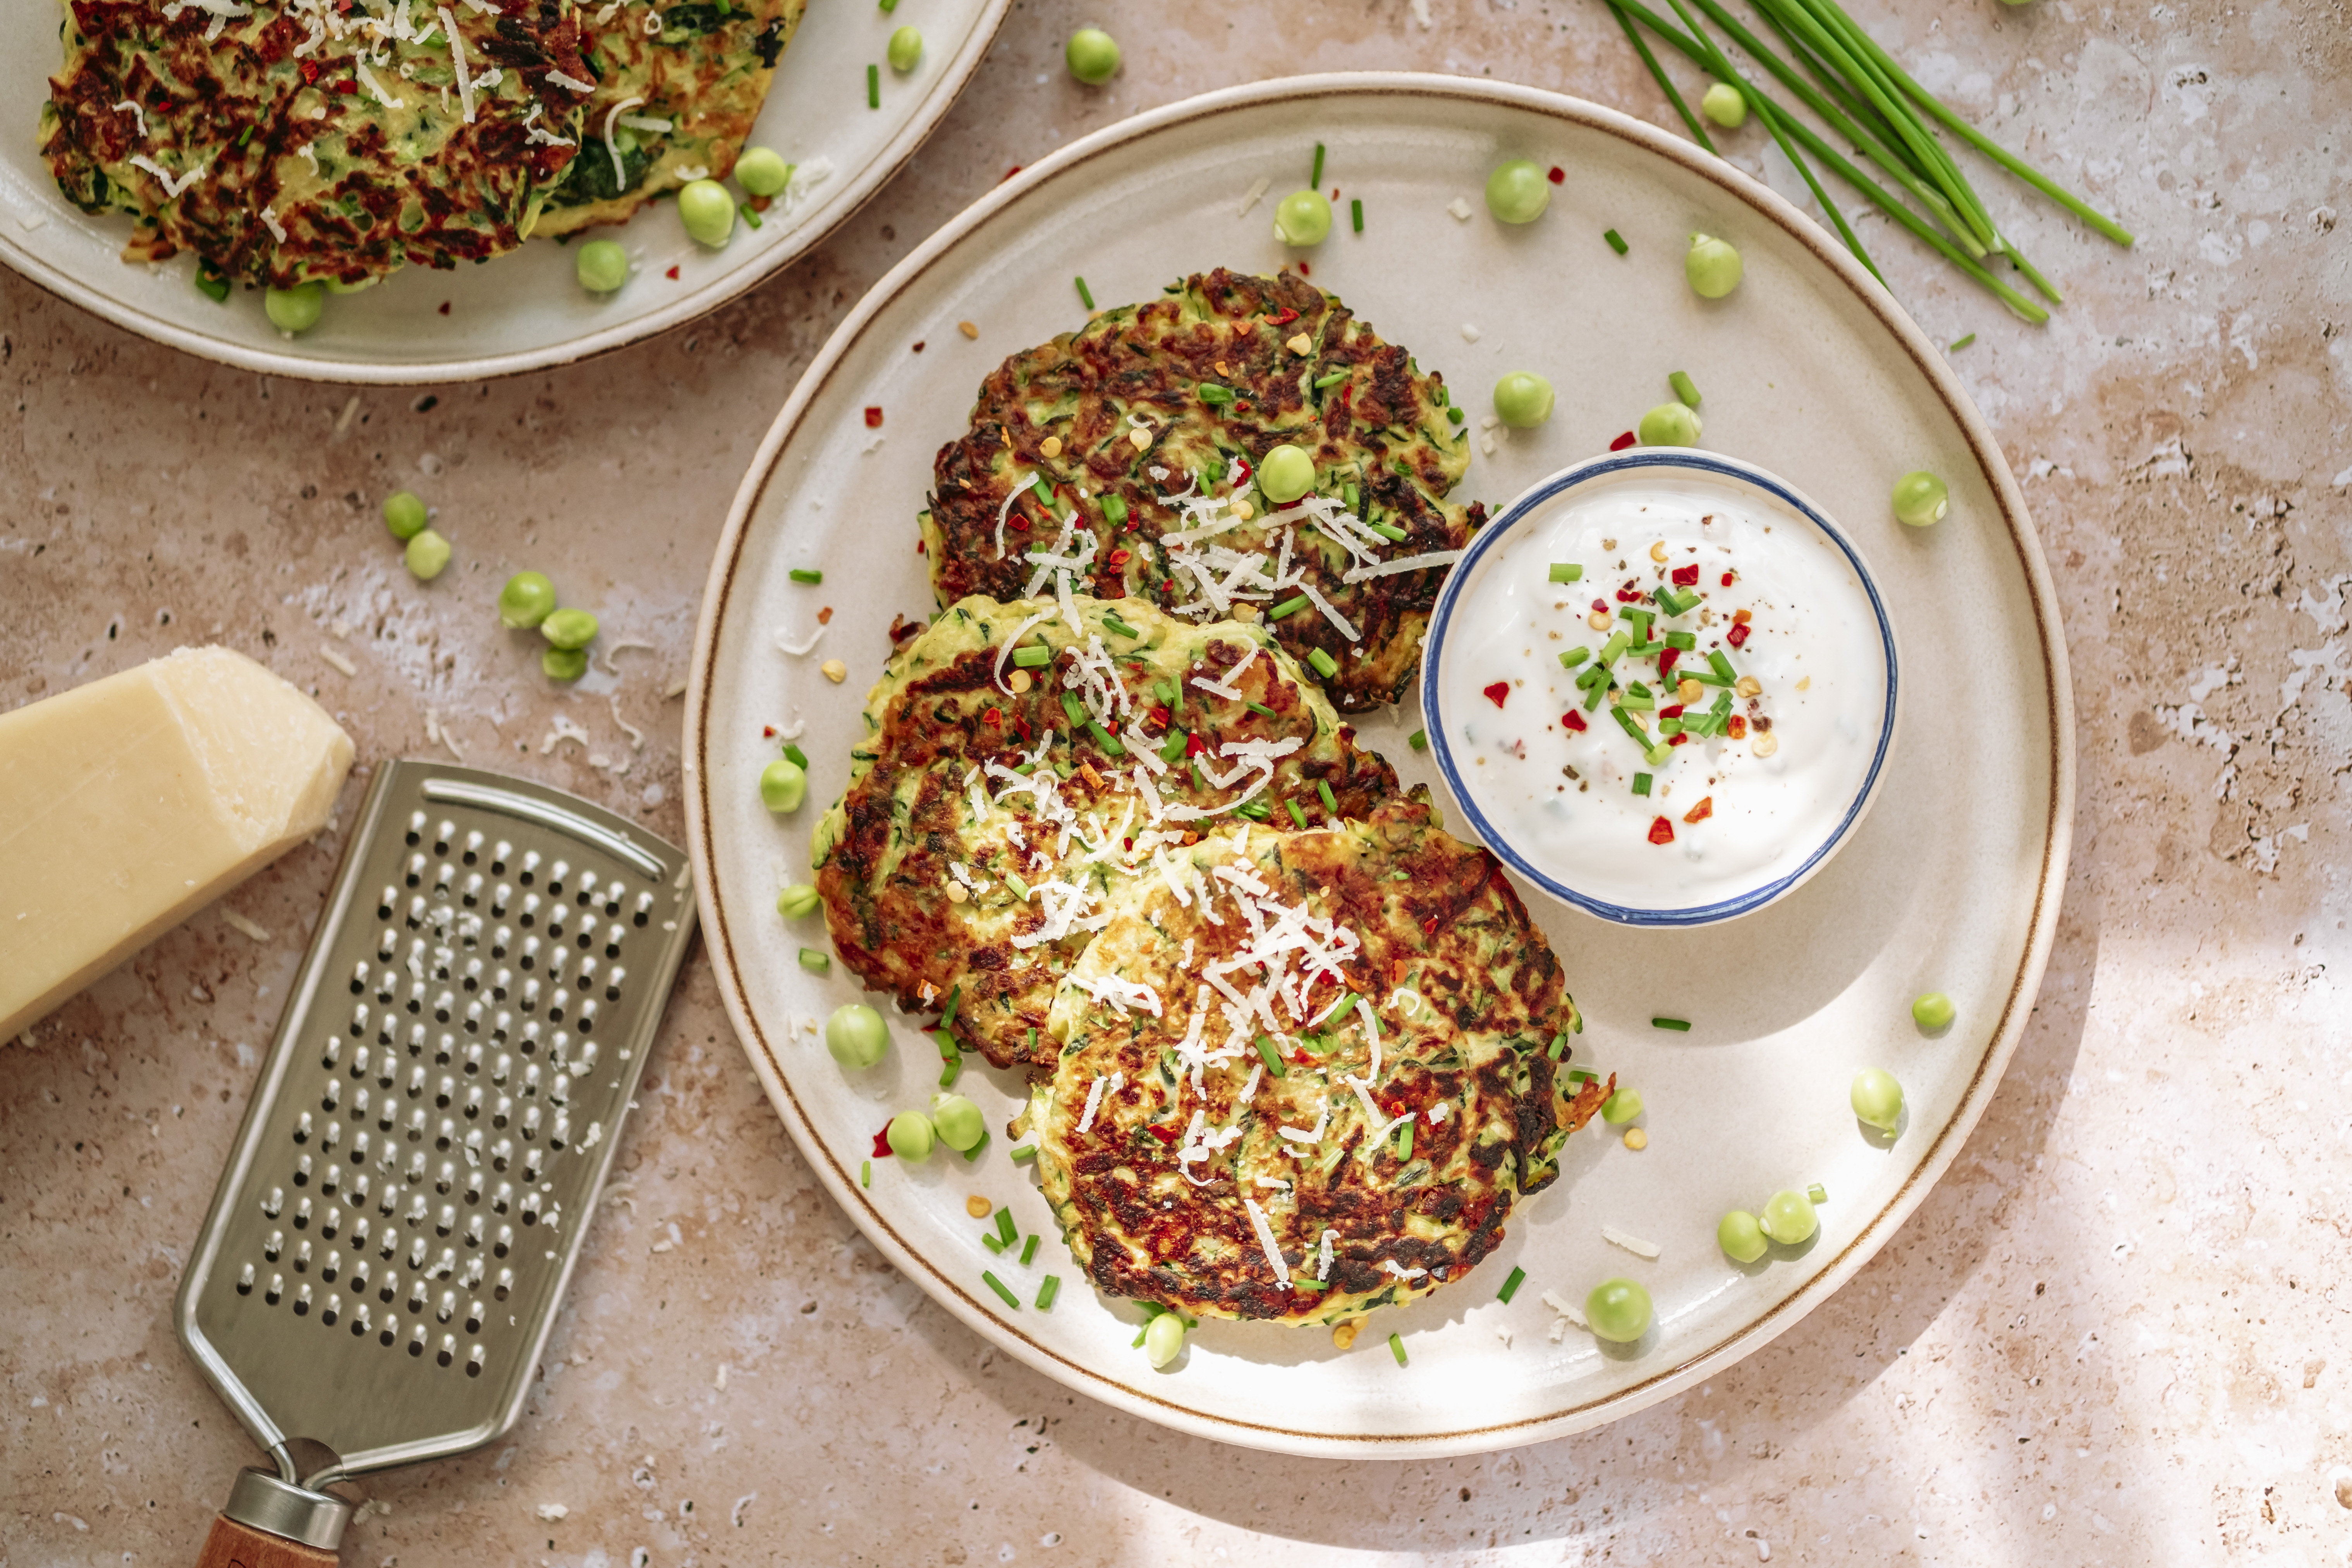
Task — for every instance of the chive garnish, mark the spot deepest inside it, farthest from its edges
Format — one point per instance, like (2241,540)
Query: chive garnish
(1617,644)
(1578,1075)
(1023,1152)
(1511,1286)
(1616,241)
(1323,793)
(1685,641)
(1641,784)
(1007,1296)
(1316,179)
(1047,1292)
(1685,388)
(1356,214)
(1112,623)
(988,1239)
(1175,746)
(1006,1230)
(1387,530)
(1404,1143)
(1214,395)
(211,284)
(1166,691)
(1963,343)
(889,5)
(1255,810)
(1325,666)
(1074,710)
(1559,1044)
(815,963)
(1325,383)
(1626,721)
(1638,701)
(1574,657)
(805,574)
(1297,816)
(793,755)
(1566,571)
(1720,665)
(1301,1282)
(1417,740)
(1110,742)
(873,87)
(1680,1025)
(1818,1193)
(1396,1349)
(1288,606)
(751,214)
(1114,510)
(866,1174)
(1273,1062)
(1597,677)
(1085,295)
(1036,656)
(1670,726)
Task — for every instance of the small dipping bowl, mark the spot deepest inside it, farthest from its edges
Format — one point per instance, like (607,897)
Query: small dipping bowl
(1722,830)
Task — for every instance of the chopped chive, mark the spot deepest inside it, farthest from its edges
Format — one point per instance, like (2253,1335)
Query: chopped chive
(1578,1075)
(1255,810)
(1325,666)
(1688,642)
(1685,388)
(1658,754)
(1323,793)
(1720,665)
(1963,343)
(873,87)
(1325,383)
(1073,709)
(1018,885)
(950,1068)
(1680,1025)
(1625,722)
(1301,1282)
(1007,1296)
(1417,740)
(1356,216)
(1641,784)
(1818,1193)
(1288,606)
(1396,1349)
(1272,1061)
(1166,691)
(1112,621)
(1404,1143)
(1036,656)
(1085,295)
(1047,1292)
(889,5)
(1023,1152)
(1114,510)
(1574,657)
(1175,746)
(866,1174)
(793,755)
(1638,701)
(1637,618)
(1297,816)
(1595,694)
(1006,1230)
(1616,241)
(815,963)
(1566,571)
(1389,531)
(211,284)
(1671,726)
(1559,1044)
(1214,395)
(1598,676)
(1617,644)
(1316,179)
(988,1239)
(751,214)
(1510,1286)
(1110,744)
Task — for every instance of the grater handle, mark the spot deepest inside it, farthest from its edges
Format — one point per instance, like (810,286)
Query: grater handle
(273,1523)
(235,1545)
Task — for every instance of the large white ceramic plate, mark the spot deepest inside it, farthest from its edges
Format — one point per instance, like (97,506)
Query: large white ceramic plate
(1952,884)
(524,311)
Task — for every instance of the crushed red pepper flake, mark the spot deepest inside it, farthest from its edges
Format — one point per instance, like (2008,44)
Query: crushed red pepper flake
(1738,728)
(1574,721)
(1622,442)
(1686,576)
(1496,692)
(1701,812)
(1666,661)
(1662,831)
(1558,175)
(873,418)
(671,274)
(1728,577)
(1737,635)
(882,1150)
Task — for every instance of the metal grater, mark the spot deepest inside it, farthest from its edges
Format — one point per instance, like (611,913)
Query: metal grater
(416,1171)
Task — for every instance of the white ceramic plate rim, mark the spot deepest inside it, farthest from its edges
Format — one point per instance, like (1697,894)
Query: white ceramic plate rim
(948,1290)
(1715,464)
(844,202)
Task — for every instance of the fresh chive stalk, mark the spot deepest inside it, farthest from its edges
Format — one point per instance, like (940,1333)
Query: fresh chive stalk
(1297,816)
(1642,781)
(805,574)
(1818,1193)
(1680,1025)
(815,963)
(1389,531)
(873,87)
(1616,241)
(1685,389)
(1007,1296)
(1315,178)
(1569,570)
(1323,794)
(1036,656)
(1511,1286)
(793,755)
(1417,740)
(1356,213)
(1047,1292)
(1085,295)
(1574,657)
(1396,1348)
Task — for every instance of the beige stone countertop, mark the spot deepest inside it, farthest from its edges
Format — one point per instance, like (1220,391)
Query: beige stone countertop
(2116,1333)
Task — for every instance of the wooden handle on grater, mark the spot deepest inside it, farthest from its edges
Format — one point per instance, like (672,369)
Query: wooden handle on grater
(235,1545)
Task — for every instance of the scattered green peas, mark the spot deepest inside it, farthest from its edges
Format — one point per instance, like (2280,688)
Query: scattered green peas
(1523,400)
(762,172)
(960,1126)
(783,785)
(1726,105)
(857,1038)
(1712,265)
(1621,1107)
(1285,474)
(707,212)
(403,514)
(1163,1338)
(1933,1011)
(1740,1236)
(1516,192)
(1619,1310)
(797,901)
(909,1135)
(1920,499)
(295,309)
(906,48)
(602,266)
(1303,219)
(563,663)
(1876,1098)
(1669,425)
(527,599)
(426,554)
(1093,56)
(569,629)
(1789,1217)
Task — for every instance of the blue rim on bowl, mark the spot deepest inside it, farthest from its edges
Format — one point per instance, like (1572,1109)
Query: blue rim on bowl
(1680,460)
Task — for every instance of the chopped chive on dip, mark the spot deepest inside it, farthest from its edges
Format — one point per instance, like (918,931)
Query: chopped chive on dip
(1641,784)
(1574,657)
(1511,1285)
(1681,1025)
(1616,241)
(1566,571)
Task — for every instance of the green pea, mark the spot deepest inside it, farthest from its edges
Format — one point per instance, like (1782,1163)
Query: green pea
(1093,56)
(1621,1107)
(1933,1011)
(1303,219)
(602,266)
(525,600)
(1163,1339)
(1789,1218)
(1523,400)
(960,1125)
(910,1136)
(426,554)
(337,286)
(1740,1236)
(762,172)
(569,629)
(707,212)
(1285,474)
(1669,425)
(906,48)
(1712,265)
(1517,192)
(783,785)
(858,1037)
(1876,1098)
(1920,499)
(1618,1310)
(563,663)
(1726,105)
(797,901)
(405,515)
(295,309)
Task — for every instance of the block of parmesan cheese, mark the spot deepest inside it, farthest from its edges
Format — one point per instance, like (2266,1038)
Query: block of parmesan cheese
(128,804)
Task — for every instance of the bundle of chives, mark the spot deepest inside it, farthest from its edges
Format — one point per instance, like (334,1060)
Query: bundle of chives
(1865,98)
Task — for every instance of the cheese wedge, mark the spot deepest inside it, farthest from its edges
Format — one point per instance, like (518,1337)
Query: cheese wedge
(128,804)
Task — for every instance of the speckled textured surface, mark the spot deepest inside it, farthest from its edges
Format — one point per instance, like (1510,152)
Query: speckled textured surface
(2117,1333)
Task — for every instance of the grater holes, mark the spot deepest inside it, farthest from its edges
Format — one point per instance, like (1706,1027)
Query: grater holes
(414,876)
(528,915)
(416,1341)
(644,912)
(475,1314)
(555,875)
(441,838)
(387,902)
(302,1129)
(334,1310)
(359,977)
(612,942)
(528,871)
(501,940)
(472,895)
(505,1287)
(244,1282)
(612,978)
(473,847)
(333,1098)
(448,1352)
(586,938)
(529,956)
(587,895)
(587,1018)
(302,1170)
(302,1302)
(277,1291)
(499,857)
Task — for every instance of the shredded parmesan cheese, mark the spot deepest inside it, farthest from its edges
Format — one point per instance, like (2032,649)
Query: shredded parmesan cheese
(173,185)
(1632,1244)
(1254,194)
(1265,1240)
(465,82)
(574,82)
(329,656)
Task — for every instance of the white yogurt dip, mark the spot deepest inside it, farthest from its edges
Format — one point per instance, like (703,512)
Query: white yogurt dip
(1740,780)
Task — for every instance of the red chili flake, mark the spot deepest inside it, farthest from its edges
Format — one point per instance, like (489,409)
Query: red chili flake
(1601,604)
(1737,635)
(671,274)
(922,547)
(1194,746)
(1010,173)
(1727,576)
(1662,831)
(1020,728)
(1670,711)
(1558,175)
(1128,844)
(1017,523)
(1666,658)
(919,348)
(1160,714)
(995,715)
(311,70)
(1619,445)
(1573,721)
(1738,728)
(1303,270)
(882,1150)
(1284,318)
(874,418)
(1496,692)
(1118,558)
(1741,618)
(445,306)
(1701,812)
(1429,926)
(1686,576)
(1626,596)
(767,731)
(1240,470)
(1164,1132)
(1677,739)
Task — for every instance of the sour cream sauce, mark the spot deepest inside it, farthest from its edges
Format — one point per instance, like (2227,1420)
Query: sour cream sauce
(1765,800)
